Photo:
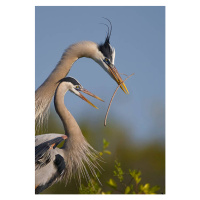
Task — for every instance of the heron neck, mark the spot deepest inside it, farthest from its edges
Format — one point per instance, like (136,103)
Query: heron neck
(45,92)
(71,127)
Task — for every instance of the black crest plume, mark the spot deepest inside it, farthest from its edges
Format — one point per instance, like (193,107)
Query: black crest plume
(109,31)
(105,48)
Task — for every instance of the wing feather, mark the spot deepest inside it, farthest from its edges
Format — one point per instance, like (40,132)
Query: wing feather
(43,150)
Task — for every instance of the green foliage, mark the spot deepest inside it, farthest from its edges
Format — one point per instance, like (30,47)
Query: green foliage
(128,182)
(92,188)
(145,189)
(118,171)
(135,175)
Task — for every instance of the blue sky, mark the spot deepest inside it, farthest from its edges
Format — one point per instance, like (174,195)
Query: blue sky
(138,37)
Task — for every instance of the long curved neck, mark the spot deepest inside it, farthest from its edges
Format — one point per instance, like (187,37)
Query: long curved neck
(45,92)
(74,52)
(76,151)
(71,127)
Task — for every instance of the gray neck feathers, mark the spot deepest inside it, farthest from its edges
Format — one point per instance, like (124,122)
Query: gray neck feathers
(70,125)
(76,151)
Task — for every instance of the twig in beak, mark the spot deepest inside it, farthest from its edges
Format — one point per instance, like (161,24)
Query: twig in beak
(123,74)
(113,97)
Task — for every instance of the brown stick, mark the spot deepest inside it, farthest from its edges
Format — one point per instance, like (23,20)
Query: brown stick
(113,97)
(123,74)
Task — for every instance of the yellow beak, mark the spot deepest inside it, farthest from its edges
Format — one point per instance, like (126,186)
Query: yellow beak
(117,78)
(89,93)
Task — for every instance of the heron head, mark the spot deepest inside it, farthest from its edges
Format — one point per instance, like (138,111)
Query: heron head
(75,87)
(106,59)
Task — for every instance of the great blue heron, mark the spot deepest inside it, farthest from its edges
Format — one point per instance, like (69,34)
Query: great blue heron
(103,54)
(52,163)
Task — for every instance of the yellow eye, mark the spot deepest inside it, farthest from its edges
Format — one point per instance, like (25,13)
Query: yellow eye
(106,59)
(77,86)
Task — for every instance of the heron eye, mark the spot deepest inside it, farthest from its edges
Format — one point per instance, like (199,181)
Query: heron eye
(77,87)
(106,60)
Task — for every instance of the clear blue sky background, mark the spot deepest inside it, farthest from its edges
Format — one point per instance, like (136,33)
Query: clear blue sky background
(138,37)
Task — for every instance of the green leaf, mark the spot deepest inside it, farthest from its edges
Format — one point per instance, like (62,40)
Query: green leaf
(127,190)
(100,153)
(105,144)
(106,151)
(154,189)
(118,172)
(135,175)
(112,183)
(145,188)
(137,180)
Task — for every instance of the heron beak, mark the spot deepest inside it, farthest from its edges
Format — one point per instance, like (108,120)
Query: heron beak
(89,93)
(115,74)
(92,95)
